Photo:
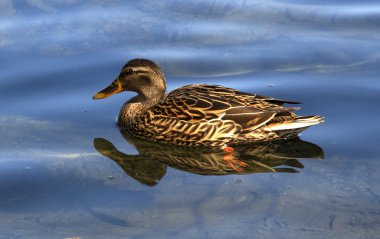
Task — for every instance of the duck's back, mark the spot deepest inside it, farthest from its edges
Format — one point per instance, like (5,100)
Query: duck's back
(212,115)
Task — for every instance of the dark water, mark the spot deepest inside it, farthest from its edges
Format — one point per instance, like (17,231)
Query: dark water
(56,183)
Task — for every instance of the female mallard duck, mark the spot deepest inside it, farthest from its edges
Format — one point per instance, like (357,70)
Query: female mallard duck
(199,115)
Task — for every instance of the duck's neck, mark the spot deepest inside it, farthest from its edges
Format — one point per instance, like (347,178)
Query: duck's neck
(138,105)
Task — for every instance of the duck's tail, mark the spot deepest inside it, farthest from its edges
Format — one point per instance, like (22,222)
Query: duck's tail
(299,123)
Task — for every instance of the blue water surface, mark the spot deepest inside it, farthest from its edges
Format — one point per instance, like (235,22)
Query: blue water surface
(54,55)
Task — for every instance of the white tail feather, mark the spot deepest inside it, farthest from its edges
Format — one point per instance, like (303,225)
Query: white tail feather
(298,123)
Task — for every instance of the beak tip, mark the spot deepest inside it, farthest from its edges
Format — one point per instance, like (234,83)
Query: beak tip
(113,88)
(98,96)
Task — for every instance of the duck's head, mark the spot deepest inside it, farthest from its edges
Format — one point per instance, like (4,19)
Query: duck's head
(139,75)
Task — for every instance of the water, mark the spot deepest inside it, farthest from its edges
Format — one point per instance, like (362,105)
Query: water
(56,183)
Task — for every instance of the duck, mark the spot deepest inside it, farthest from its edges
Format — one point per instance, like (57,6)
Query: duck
(200,115)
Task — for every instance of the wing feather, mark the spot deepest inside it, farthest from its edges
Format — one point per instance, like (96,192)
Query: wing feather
(200,113)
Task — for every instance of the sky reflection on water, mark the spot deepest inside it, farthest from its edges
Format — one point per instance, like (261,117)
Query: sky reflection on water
(56,54)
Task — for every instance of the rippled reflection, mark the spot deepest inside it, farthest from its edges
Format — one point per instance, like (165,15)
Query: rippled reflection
(149,166)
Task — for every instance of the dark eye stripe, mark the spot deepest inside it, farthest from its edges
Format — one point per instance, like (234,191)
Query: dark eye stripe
(124,74)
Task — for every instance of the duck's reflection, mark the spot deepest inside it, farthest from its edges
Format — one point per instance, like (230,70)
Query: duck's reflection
(149,166)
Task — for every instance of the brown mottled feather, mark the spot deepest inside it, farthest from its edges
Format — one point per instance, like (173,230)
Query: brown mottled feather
(199,115)
(210,115)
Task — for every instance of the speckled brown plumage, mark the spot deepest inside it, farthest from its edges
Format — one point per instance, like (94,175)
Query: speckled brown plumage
(199,114)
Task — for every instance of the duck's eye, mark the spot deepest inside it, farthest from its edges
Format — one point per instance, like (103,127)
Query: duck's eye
(126,73)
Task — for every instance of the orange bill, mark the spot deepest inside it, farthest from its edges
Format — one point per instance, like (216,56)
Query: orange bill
(112,89)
